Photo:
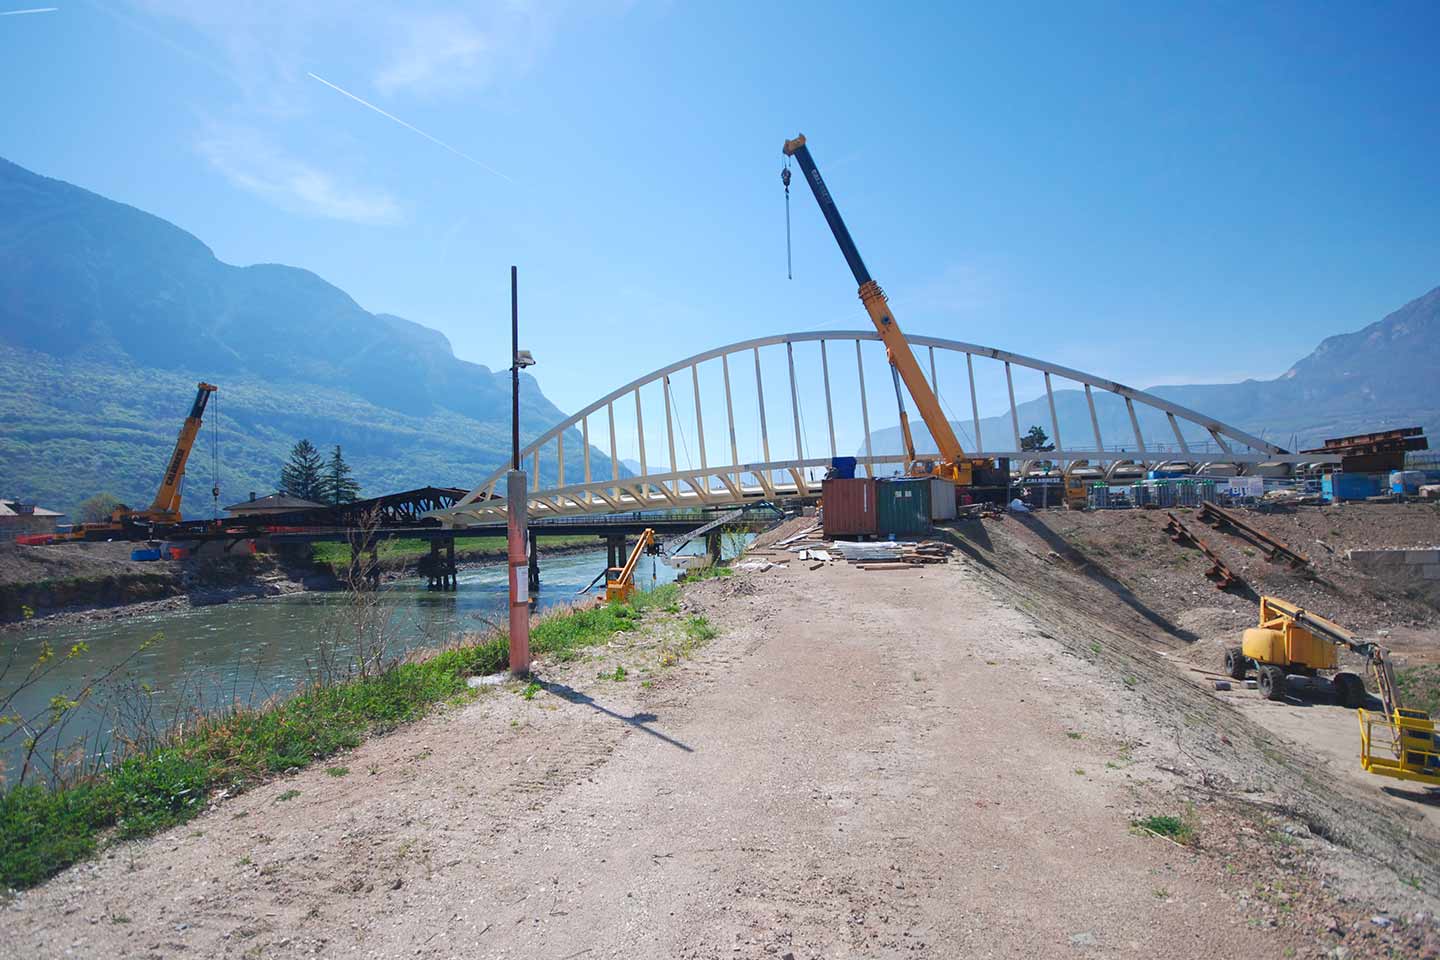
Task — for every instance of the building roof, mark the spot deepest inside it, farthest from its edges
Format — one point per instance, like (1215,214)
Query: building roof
(8,509)
(275,501)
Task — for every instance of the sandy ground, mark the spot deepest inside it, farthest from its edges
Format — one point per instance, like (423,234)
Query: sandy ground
(860,765)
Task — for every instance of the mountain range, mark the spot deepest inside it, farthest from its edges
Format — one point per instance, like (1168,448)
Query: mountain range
(109,316)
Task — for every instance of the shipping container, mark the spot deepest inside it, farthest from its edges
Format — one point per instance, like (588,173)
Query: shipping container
(942,499)
(903,506)
(1353,486)
(1407,481)
(849,507)
(145,553)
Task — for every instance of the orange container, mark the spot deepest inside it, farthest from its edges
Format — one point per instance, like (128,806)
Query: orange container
(849,507)
(178,553)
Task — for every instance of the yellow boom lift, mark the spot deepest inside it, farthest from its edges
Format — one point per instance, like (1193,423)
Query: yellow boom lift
(620,581)
(1396,742)
(165,508)
(954,464)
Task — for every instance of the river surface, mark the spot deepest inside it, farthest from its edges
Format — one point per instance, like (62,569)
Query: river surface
(246,651)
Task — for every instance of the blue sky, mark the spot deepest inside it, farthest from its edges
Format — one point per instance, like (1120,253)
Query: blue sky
(1155,193)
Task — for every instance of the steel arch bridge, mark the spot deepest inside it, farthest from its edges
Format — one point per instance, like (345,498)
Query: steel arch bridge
(750,470)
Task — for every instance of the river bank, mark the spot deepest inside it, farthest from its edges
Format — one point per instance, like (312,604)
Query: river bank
(42,587)
(172,776)
(183,659)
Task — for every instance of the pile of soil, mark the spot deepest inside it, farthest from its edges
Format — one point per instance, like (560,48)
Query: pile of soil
(43,579)
(90,579)
(1132,548)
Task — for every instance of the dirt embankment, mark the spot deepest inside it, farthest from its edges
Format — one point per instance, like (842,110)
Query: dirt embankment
(1110,588)
(93,579)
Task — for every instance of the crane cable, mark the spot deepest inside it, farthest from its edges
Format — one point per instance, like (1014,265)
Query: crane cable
(215,459)
(785,179)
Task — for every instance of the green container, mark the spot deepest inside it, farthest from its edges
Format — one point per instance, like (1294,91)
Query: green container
(903,506)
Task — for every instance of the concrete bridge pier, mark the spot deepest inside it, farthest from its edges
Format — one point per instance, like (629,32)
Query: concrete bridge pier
(614,551)
(714,541)
(440,570)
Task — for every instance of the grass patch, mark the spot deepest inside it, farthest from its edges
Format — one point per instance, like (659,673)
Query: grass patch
(708,572)
(1419,687)
(43,830)
(1179,829)
(337,554)
(699,629)
(338,771)
(287,795)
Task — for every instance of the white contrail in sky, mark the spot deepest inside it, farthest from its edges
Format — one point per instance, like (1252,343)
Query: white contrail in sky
(411,127)
(16,13)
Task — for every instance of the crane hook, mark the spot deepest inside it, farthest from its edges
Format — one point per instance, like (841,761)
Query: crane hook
(785,179)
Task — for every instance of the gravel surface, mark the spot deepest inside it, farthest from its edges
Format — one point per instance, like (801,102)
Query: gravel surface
(917,763)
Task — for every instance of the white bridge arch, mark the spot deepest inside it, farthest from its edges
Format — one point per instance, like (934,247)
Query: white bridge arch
(749,472)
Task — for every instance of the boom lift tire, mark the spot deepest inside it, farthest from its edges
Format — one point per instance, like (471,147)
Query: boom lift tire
(1272,683)
(1236,664)
(1349,690)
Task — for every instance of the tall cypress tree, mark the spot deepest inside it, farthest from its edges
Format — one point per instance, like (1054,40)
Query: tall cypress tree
(301,476)
(337,485)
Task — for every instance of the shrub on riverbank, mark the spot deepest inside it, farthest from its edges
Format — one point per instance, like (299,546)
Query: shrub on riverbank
(44,830)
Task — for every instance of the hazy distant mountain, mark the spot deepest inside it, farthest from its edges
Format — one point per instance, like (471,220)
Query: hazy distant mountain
(1386,375)
(109,316)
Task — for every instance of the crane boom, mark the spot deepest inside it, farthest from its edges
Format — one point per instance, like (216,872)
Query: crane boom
(903,364)
(166,506)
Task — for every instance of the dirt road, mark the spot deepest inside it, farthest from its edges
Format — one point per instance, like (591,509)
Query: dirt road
(860,765)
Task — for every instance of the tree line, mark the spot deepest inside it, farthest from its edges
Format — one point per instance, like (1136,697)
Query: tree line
(310,476)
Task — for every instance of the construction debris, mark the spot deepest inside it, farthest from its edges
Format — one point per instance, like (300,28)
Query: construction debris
(1229,522)
(1218,572)
(802,535)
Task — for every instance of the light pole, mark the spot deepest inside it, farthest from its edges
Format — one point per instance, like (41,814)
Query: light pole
(516,503)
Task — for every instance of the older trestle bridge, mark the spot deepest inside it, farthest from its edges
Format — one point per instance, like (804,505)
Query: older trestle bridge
(741,459)
(364,535)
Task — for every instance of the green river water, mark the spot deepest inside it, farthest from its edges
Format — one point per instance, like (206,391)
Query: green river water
(247,651)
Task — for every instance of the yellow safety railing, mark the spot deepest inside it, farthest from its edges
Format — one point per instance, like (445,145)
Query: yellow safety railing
(1401,746)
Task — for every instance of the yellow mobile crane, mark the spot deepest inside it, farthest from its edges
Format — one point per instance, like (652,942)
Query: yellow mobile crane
(954,464)
(1395,742)
(165,508)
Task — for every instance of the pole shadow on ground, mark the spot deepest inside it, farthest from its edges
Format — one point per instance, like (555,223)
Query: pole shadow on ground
(638,720)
